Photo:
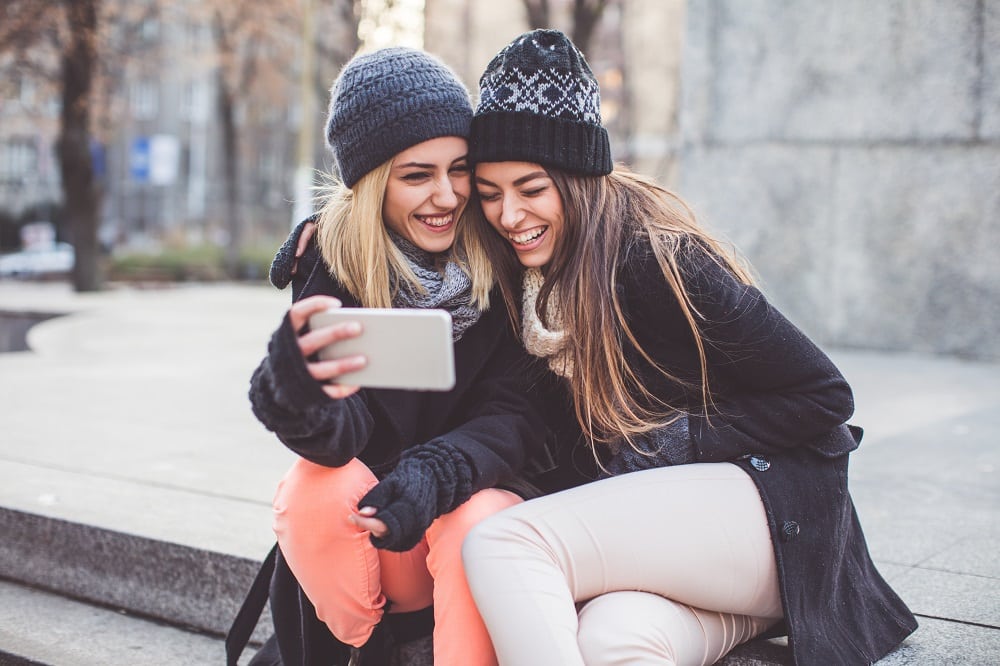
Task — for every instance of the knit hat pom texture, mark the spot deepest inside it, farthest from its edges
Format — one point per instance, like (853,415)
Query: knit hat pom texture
(540,102)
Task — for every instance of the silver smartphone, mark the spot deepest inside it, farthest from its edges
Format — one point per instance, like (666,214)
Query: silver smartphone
(407,348)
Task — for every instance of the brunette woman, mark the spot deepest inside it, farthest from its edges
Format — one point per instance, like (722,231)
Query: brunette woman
(721,427)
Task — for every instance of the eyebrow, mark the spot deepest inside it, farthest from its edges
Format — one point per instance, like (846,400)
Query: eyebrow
(422,165)
(517,183)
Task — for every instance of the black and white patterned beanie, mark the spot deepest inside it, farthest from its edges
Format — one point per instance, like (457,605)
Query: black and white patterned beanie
(388,100)
(539,102)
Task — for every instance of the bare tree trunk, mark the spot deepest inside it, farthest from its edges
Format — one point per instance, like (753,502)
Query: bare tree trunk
(225,103)
(350,14)
(538,13)
(586,15)
(79,186)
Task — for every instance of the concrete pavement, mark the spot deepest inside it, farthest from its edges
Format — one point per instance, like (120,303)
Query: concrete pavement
(129,458)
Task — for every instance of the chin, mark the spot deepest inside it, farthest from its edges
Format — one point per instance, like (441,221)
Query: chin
(435,245)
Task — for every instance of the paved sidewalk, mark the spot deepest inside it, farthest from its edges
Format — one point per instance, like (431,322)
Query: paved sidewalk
(130,414)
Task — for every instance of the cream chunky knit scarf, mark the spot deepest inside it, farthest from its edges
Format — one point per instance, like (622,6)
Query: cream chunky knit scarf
(538,340)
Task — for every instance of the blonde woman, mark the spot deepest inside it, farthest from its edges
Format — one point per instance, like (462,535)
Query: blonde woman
(371,519)
(721,427)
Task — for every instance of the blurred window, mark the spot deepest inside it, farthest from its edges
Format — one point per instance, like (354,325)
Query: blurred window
(194,101)
(144,99)
(150,30)
(18,158)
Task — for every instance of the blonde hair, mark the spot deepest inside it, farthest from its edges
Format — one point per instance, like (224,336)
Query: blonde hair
(356,245)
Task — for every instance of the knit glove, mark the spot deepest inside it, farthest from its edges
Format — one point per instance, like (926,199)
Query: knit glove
(284,396)
(430,480)
(669,445)
(281,272)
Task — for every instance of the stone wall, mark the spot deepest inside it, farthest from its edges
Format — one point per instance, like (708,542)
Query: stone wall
(851,150)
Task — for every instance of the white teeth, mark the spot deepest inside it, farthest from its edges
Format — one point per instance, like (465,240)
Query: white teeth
(436,221)
(527,236)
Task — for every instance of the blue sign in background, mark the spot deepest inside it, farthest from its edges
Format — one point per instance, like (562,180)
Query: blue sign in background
(139,159)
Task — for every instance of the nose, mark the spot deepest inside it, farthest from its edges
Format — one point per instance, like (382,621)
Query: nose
(510,212)
(444,195)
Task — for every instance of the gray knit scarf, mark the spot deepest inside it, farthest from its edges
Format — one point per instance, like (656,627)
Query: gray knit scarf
(449,290)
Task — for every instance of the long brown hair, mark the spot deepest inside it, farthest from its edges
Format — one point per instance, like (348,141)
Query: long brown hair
(601,214)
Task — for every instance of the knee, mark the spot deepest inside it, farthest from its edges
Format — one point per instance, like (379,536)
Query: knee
(477,508)
(625,627)
(448,532)
(494,537)
(309,491)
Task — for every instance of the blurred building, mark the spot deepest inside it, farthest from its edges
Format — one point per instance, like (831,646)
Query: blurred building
(850,150)
(634,51)
(29,122)
(158,149)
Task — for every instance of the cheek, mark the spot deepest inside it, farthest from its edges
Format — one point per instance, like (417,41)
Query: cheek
(491,212)
(462,186)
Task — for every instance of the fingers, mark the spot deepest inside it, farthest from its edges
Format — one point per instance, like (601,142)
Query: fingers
(340,391)
(300,311)
(313,341)
(326,370)
(308,231)
(373,525)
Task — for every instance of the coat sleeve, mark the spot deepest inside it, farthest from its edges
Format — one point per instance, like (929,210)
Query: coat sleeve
(502,426)
(773,387)
(289,402)
(498,424)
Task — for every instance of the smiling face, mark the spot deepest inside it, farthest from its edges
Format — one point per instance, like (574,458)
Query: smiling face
(522,203)
(429,186)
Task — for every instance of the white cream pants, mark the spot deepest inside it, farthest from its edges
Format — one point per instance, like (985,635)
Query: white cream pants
(664,566)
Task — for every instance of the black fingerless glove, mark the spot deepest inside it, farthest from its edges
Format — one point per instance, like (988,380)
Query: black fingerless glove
(281,267)
(283,395)
(669,445)
(430,480)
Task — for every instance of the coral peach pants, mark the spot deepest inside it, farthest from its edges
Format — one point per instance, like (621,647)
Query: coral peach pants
(348,580)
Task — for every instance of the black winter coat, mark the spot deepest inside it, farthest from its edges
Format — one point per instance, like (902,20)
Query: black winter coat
(489,418)
(780,411)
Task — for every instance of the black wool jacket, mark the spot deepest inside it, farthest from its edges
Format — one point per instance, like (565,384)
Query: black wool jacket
(779,411)
(485,432)
(478,435)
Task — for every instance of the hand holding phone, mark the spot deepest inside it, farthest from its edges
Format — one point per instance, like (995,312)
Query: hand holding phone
(311,342)
(405,348)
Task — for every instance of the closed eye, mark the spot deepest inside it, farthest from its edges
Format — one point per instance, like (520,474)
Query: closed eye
(416,176)
(489,196)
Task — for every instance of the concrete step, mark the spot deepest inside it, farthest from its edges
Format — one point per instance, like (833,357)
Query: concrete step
(80,595)
(39,628)
(127,599)
(177,584)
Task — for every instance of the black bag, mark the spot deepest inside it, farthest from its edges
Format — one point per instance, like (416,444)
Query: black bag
(300,638)
(249,613)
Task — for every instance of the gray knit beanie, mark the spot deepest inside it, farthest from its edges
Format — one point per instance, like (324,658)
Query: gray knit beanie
(540,102)
(388,100)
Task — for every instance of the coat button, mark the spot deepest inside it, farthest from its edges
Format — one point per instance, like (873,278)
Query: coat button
(760,464)
(789,530)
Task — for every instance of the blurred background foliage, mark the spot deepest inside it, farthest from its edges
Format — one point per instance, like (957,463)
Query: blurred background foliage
(143,131)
